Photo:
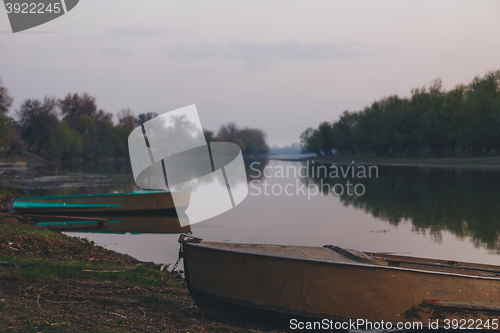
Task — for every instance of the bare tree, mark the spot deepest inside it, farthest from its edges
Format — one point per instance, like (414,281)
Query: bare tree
(209,135)
(75,105)
(143,117)
(126,117)
(103,117)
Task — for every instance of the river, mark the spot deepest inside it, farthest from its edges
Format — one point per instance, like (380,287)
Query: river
(441,213)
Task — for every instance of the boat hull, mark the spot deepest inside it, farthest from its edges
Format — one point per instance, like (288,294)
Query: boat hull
(102,203)
(235,282)
(163,223)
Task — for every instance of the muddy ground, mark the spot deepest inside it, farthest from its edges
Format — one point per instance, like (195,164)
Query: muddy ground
(90,306)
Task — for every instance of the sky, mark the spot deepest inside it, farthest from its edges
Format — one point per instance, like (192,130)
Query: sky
(281,66)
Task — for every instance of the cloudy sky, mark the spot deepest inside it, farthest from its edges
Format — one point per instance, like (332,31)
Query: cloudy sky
(281,66)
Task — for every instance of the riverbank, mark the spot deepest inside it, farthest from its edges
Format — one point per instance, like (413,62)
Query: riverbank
(459,161)
(53,282)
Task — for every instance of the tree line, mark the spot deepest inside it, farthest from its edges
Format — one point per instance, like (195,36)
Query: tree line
(74,127)
(466,118)
(252,141)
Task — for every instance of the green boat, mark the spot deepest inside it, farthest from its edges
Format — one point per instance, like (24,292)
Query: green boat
(163,223)
(138,201)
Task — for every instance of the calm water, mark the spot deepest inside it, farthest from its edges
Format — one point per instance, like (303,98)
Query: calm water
(442,213)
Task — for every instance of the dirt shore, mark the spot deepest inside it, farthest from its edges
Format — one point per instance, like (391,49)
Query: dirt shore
(50,282)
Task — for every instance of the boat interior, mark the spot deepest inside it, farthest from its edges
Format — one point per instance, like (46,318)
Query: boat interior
(340,255)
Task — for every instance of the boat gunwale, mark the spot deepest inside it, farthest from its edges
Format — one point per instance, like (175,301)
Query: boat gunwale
(33,205)
(71,223)
(94,195)
(336,263)
(104,212)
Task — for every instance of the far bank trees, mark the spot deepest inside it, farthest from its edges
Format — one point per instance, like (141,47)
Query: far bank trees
(74,127)
(466,118)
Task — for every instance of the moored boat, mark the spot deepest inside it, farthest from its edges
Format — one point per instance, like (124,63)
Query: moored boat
(255,281)
(138,201)
(125,223)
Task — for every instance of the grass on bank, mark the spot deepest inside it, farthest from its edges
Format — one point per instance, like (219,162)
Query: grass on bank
(47,269)
(62,258)
(10,226)
(10,190)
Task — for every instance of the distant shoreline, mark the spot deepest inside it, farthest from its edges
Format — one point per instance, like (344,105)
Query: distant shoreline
(481,162)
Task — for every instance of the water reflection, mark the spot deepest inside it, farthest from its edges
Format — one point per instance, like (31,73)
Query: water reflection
(457,207)
(118,224)
(463,201)
(255,167)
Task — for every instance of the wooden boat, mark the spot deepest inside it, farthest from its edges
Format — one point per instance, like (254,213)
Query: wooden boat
(117,224)
(75,225)
(68,223)
(102,203)
(258,282)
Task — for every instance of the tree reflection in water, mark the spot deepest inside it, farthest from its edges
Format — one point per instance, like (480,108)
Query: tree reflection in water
(463,201)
